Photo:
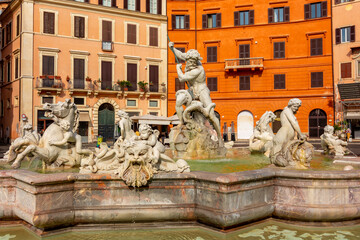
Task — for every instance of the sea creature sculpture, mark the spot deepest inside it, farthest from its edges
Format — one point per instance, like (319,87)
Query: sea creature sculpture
(332,144)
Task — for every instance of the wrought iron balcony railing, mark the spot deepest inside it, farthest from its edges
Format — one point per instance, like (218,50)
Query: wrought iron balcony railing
(107,46)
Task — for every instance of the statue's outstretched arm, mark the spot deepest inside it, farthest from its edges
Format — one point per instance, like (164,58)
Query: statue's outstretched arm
(190,75)
(180,55)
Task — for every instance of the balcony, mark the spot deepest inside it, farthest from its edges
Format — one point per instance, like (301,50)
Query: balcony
(80,86)
(244,64)
(49,84)
(107,46)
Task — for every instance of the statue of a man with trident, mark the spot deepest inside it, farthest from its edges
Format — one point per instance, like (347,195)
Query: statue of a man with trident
(196,80)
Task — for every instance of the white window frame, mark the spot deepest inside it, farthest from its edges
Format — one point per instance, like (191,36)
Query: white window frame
(48,52)
(148,34)
(53,98)
(73,100)
(42,10)
(154,100)
(112,28)
(347,37)
(132,5)
(125,32)
(153,6)
(132,99)
(73,15)
(106,59)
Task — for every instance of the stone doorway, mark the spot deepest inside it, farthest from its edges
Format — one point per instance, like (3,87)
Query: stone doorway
(106,121)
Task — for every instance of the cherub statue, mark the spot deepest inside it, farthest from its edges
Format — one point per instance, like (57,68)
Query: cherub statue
(332,144)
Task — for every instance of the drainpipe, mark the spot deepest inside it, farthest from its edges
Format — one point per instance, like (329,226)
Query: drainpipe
(332,60)
(195,27)
(19,67)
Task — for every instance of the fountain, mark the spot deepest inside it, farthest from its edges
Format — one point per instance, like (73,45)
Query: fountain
(136,183)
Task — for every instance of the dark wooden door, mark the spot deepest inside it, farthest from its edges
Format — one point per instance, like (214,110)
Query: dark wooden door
(317,122)
(244,52)
(106,75)
(106,121)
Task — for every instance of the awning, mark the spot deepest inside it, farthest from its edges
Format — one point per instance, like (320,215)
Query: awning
(352,115)
(349,90)
(84,117)
(155,120)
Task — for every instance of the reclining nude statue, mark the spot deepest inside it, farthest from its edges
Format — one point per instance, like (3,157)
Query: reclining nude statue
(59,145)
(262,138)
(199,130)
(135,159)
(332,144)
(286,150)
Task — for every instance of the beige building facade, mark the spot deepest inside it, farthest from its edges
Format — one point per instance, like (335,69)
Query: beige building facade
(346,60)
(82,50)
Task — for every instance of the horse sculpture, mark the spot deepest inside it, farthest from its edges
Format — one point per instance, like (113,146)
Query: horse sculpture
(59,145)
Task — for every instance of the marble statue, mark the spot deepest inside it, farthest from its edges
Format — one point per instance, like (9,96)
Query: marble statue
(125,125)
(262,138)
(286,150)
(134,159)
(199,130)
(332,144)
(29,136)
(59,145)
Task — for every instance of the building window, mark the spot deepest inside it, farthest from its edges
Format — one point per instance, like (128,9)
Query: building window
(316,79)
(244,18)
(47,100)
(211,20)
(183,51)
(2,109)
(48,65)
(211,54)
(276,15)
(315,10)
(79,73)
(180,21)
(133,5)
(131,103)
(346,70)
(3,37)
(9,71)
(154,103)
(244,54)
(153,38)
(18,25)
(154,78)
(316,46)
(49,23)
(244,82)
(8,103)
(132,76)
(154,113)
(8,32)
(106,3)
(179,85)
(79,101)
(153,6)
(358,68)
(279,49)
(342,1)
(79,27)
(106,35)
(279,81)
(16,67)
(106,75)
(131,33)
(345,34)
(212,83)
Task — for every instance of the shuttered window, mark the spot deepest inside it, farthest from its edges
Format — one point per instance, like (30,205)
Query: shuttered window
(48,65)
(316,79)
(276,15)
(132,5)
(316,46)
(153,36)
(9,71)
(183,51)
(212,83)
(346,70)
(106,75)
(342,1)
(3,37)
(180,21)
(131,33)
(279,49)
(211,20)
(179,85)
(315,10)
(279,81)
(244,52)
(8,32)
(49,23)
(211,54)
(16,67)
(79,27)
(154,78)
(154,6)
(132,76)
(345,34)
(244,18)
(244,83)
(79,73)
(18,25)
(106,31)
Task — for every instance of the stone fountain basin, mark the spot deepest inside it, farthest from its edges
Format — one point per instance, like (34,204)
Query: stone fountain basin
(49,201)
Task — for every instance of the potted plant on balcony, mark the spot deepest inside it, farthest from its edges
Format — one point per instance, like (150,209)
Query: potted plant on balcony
(142,85)
(88,79)
(124,85)
(50,76)
(58,77)
(43,76)
(67,78)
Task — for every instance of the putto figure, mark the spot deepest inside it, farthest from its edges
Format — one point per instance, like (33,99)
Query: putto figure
(286,150)
(195,135)
(332,144)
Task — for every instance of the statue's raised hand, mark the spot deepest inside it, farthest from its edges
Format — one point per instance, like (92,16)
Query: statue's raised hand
(171,45)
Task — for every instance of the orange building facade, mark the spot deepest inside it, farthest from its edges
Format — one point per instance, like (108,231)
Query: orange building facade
(82,50)
(257,55)
(346,51)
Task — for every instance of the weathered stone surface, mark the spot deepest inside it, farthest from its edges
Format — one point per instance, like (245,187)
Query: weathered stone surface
(222,200)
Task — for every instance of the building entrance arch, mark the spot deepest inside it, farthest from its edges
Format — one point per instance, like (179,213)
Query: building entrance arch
(106,121)
(245,125)
(317,122)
